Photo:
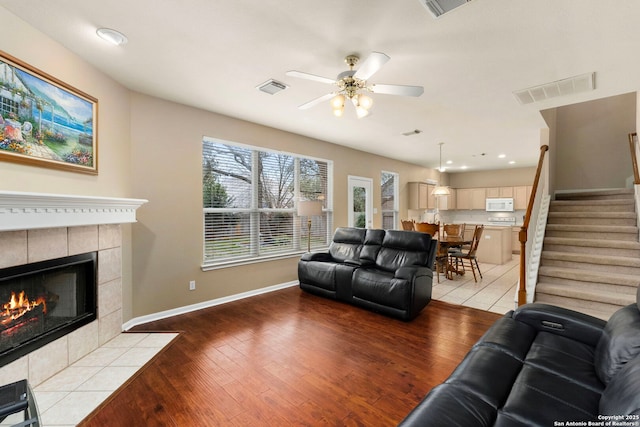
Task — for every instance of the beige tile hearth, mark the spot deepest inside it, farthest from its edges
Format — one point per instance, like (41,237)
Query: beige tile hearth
(68,397)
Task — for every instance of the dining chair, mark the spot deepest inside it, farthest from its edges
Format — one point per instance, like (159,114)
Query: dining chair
(470,255)
(454,230)
(408,224)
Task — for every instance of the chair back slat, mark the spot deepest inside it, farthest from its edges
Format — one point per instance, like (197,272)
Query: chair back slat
(477,234)
(426,227)
(408,224)
(454,230)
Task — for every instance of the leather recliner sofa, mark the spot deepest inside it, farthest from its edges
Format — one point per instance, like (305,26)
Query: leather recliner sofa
(543,366)
(387,271)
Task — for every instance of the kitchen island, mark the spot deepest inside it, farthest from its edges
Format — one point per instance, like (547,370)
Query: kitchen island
(495,244)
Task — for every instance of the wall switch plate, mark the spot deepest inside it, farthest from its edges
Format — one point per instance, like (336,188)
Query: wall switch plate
(192,285)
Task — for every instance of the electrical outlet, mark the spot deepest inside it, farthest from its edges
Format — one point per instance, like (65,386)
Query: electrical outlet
(192,285)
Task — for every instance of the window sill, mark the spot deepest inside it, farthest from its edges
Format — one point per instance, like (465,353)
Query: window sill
(248,261)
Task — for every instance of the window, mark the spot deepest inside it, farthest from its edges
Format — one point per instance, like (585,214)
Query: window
(389,189)
(250,198)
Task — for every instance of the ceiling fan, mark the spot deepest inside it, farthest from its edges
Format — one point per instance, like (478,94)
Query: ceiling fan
(352,84)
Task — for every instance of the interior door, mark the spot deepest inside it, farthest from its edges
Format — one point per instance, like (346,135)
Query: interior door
(360,202)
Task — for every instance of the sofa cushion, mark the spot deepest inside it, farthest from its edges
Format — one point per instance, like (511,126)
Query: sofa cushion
(566,358)
(451,405)
(347,244)
(538,397)
(622,395)
(381,287)
(403,248)
(620,342)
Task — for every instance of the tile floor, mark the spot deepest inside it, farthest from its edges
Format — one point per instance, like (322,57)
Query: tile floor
(496,292)
(69,396)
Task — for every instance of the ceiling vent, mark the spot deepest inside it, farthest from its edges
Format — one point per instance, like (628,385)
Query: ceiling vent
(576,84)
(440,7)
(272,87)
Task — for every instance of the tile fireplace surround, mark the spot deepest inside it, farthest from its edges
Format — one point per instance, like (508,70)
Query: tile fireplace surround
(37,227)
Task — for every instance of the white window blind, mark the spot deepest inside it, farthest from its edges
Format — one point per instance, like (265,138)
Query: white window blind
(250,198)
(389,198)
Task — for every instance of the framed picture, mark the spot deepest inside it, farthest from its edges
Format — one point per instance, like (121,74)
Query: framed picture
(44,121)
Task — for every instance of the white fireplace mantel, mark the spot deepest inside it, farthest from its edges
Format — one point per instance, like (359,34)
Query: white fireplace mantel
(24,211)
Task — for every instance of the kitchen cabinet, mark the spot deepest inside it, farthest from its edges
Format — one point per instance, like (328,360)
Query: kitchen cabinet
(463,198)
(478,198)
(471,198)
(496,192)
(522,193)
(447,202)
(420,196)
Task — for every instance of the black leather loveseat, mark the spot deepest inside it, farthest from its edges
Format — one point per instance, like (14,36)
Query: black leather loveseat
(543,366)
(386,271)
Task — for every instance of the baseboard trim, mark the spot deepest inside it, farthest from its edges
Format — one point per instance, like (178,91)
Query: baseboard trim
(205,304)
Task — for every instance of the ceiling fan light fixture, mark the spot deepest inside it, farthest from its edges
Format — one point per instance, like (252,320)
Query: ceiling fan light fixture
(337,105)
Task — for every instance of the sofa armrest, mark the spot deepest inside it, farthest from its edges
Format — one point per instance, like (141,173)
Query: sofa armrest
(410,272)
(316,256)
(561,321)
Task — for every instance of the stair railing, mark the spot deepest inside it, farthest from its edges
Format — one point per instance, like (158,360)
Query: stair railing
(522,235)
(633,146)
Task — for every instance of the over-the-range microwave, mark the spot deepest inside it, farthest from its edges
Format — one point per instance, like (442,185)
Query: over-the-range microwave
(499,205)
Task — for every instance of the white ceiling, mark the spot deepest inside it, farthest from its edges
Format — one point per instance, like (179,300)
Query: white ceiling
(211,54)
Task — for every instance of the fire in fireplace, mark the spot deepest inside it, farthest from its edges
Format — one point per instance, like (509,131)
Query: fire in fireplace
(43,301)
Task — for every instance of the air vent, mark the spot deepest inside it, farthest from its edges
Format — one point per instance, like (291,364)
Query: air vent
(576,84)
(440,7)
(272,87)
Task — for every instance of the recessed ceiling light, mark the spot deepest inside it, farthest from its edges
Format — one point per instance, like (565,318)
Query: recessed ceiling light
(512,162)
(112,36)
(463,167)
(502,156)
(449,162)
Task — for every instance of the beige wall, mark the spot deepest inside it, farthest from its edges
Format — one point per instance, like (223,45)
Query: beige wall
(493,178)
(29,45)
(592,136)
(167,152)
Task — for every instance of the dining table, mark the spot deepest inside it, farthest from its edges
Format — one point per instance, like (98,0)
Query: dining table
(446,243)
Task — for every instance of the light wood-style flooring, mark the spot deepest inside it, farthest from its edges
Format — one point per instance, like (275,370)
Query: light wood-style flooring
(289,358)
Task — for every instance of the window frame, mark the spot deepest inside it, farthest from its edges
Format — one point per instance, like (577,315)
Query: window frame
(255,212)
(396,204)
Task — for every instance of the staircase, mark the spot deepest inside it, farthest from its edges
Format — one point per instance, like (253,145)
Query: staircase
(590,258)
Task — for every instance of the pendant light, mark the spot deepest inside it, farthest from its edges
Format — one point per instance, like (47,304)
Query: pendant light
(441,190)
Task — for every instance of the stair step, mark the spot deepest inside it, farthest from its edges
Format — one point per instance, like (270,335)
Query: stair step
(594,308)
(611,232)
(612,193)
(615,205)
(593,218)
(597,262)
(573,275)
(588,294)
(595,246)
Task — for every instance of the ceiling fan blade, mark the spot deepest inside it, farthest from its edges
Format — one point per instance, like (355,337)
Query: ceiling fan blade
(398,90)
(307,76)
(316,101)
(371,65)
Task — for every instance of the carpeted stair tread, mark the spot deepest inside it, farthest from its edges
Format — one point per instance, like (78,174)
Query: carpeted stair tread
(590,276)
(594,243)
(598,214)
(585,294)
(621,192)
(588,202)
(592,258)
(593,228)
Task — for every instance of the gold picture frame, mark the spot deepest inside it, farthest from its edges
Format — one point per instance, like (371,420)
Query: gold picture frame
(44,121)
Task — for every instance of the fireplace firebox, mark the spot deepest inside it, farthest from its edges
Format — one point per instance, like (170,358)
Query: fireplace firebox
(43,301)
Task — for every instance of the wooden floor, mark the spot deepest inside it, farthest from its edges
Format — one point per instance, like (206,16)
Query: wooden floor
(289,358)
